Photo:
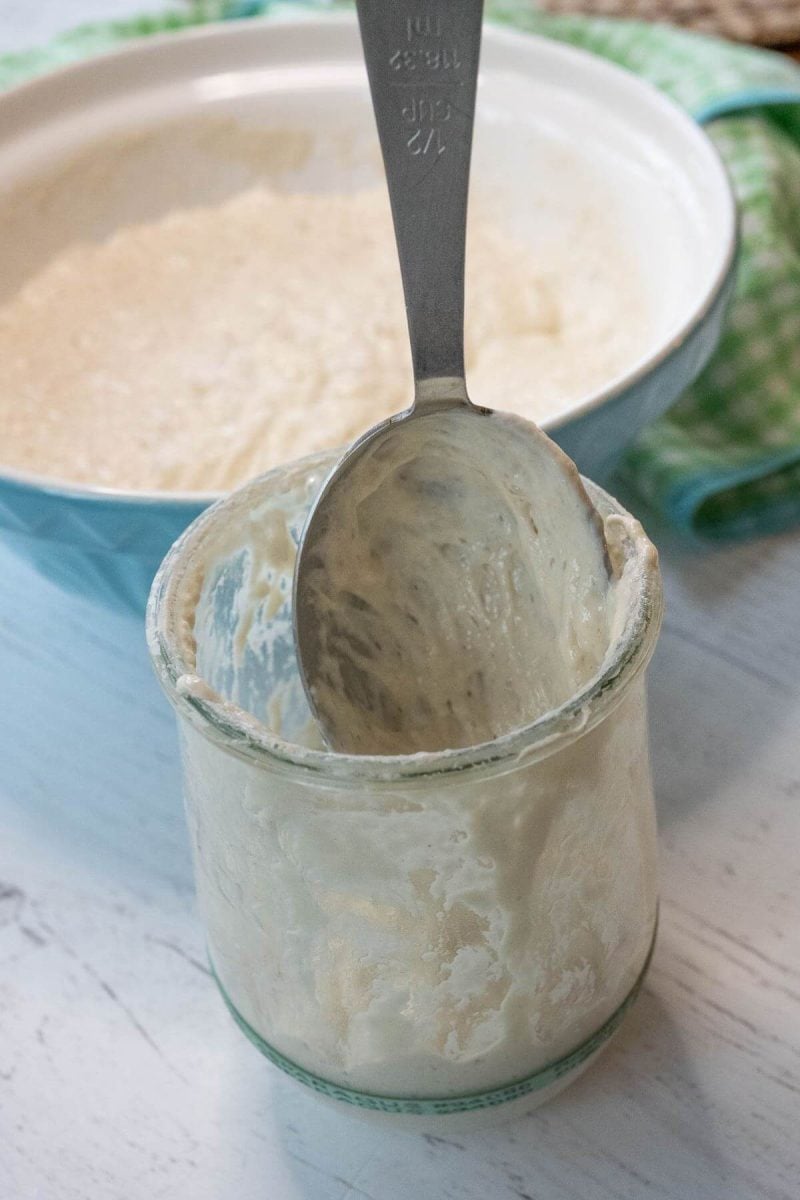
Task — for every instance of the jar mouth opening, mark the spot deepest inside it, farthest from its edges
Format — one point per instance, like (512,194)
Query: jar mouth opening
(242,734)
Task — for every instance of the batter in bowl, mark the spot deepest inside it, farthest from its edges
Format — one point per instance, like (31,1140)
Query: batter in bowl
(194,352)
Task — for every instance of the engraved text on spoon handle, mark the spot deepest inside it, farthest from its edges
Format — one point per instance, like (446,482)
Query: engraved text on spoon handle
(422,62)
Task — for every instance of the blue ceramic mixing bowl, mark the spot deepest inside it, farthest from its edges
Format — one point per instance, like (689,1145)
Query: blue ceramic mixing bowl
(132,125)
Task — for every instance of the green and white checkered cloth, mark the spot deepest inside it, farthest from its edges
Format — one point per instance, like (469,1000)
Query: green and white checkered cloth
(725,462)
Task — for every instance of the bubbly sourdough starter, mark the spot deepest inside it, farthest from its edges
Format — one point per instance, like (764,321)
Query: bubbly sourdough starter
(407,936)
(199,350)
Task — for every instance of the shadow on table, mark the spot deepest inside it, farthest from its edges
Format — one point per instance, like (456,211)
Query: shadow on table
(709,726)
(637,1119)
(88,751)
(736,597)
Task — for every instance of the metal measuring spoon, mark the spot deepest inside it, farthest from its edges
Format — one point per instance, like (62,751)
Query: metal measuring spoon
(452,576)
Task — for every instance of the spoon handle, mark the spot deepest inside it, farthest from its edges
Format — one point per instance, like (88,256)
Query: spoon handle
(422,63)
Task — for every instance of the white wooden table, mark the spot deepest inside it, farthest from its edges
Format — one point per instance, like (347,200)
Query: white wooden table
(122,1077)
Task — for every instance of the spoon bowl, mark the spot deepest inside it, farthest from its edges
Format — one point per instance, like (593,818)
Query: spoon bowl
(438,599)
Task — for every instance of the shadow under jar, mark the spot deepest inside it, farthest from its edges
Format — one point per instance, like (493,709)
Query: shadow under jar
(423,938)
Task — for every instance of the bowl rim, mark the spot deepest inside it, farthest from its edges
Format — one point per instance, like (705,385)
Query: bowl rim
(644,367)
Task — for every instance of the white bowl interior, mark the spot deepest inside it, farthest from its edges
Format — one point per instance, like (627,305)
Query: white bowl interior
(191,119)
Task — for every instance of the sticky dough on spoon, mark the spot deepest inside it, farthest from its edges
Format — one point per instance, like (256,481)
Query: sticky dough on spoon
(464,591)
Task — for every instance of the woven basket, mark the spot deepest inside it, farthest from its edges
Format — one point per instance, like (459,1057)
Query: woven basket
(761,22)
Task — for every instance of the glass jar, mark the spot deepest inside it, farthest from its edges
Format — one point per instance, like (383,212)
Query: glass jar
(426,935)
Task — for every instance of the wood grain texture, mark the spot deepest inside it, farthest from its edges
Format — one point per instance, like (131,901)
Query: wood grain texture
(122,1077)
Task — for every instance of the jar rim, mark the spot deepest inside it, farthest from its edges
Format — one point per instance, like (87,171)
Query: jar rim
(245,736)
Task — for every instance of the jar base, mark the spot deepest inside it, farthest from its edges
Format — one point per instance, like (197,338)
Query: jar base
(452,1113)
(444,1124)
